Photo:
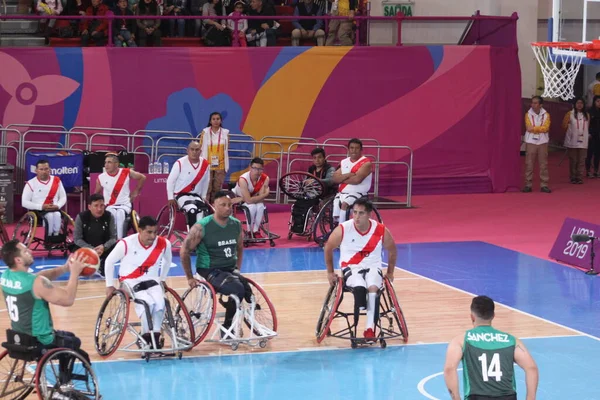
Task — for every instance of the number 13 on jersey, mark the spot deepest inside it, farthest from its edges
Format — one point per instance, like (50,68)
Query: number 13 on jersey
(228,252)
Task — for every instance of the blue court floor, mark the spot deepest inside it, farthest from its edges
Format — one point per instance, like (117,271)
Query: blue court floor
(538,287)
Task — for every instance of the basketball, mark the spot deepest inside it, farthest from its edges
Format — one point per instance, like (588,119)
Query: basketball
(92,261)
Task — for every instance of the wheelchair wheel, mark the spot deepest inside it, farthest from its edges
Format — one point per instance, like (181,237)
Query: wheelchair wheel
(264,313)
(182,322)
(324,224)
(392,299)
(166,220)
(26,228)
(202,307)
(77,381)
(16,378)
(135,219)
(301,185)
(111,323)
(330,306)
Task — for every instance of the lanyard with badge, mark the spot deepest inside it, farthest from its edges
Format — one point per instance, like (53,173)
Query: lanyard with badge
(214,159)
(580,136)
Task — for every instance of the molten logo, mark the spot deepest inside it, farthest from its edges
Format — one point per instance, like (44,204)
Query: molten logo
(59,171)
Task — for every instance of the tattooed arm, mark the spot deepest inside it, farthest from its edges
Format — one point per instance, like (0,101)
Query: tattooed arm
(61,296)
(525,361)
(190,244)
(453,357)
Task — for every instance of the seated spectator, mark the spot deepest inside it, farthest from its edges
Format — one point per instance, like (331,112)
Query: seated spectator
(262,32)
(148,29)
(95,228)
(242,24)
(196,9)
(176,8)
(215,31)
(308,28)
(342,28)
(123,28)
(95,29)
(48,7)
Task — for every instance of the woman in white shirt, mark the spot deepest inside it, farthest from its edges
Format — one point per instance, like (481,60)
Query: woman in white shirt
(215,147)
(577,124)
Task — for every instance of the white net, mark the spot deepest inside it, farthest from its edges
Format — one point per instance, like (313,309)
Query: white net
(559,69)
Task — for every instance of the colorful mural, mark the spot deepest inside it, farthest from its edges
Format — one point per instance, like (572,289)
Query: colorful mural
(457,107)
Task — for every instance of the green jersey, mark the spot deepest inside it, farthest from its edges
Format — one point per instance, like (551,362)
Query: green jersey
(28,314)
(218,248)
(488,362)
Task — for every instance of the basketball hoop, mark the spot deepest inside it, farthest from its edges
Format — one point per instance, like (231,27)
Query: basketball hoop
(560,68)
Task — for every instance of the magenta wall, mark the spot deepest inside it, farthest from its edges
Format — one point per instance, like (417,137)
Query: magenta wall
(457,107)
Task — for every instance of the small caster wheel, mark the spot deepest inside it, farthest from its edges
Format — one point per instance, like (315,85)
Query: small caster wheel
(272,243)
(245,244)
(353,344)
(234,346)
(147,357)
(262,344)
(290,236)
(179,355)
(383,344)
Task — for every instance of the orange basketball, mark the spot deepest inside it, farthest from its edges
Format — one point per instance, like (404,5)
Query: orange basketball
(92,261)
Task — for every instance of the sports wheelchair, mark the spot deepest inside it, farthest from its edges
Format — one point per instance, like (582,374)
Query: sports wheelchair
(258,316)
(249,237)
(172,221)
(325,223)
(26,365)
(26,230)
(388,311)
(113,322)
(308,191)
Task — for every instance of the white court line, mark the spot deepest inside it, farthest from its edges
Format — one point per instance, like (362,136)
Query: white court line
(421,385)
(504,305)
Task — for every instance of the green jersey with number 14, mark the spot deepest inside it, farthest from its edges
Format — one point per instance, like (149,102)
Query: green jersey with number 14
(28,314)
(488,362)
(218,248)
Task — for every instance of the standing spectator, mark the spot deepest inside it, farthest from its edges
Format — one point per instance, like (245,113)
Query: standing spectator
(148,29)
(48,7)
(262,32)
(576,123)
(215,31)
(308,28)
(341,27)
(82,6)
(593,90)
(123,28)
(196,9)
(242,24)
(215,148)
(537,124)
(95,29)
(176,8)
(593,151)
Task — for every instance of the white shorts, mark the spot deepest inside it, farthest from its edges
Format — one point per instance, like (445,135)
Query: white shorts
(154,297)
(348,198)
(366,277)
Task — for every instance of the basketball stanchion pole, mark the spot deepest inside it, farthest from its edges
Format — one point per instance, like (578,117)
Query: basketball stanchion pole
(592,271)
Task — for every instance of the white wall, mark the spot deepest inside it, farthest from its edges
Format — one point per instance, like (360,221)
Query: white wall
(385,33)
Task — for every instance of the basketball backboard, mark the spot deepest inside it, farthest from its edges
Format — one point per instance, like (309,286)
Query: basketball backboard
(574,21)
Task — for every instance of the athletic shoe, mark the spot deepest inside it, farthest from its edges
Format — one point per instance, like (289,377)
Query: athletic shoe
(258,235)
(526,189)
(546,189)
(369,334)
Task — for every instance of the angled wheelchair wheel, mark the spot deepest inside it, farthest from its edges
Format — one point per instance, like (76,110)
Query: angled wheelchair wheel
(75,380)
(166,220)
(202,307)
(330,306)
(135,219)
(301,185)
(264,313)
(111,323)
(181,321)
(16,378)
(324,223)
(26,228)
(392,299)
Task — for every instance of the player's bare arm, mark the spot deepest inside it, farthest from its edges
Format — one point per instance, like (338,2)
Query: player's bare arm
(190,244)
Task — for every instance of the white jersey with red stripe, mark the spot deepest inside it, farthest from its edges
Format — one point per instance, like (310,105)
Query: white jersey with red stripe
(183,174)
(246,177)
(361,250)
(346,166)
(139,261)
(108,182)
(36,192)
